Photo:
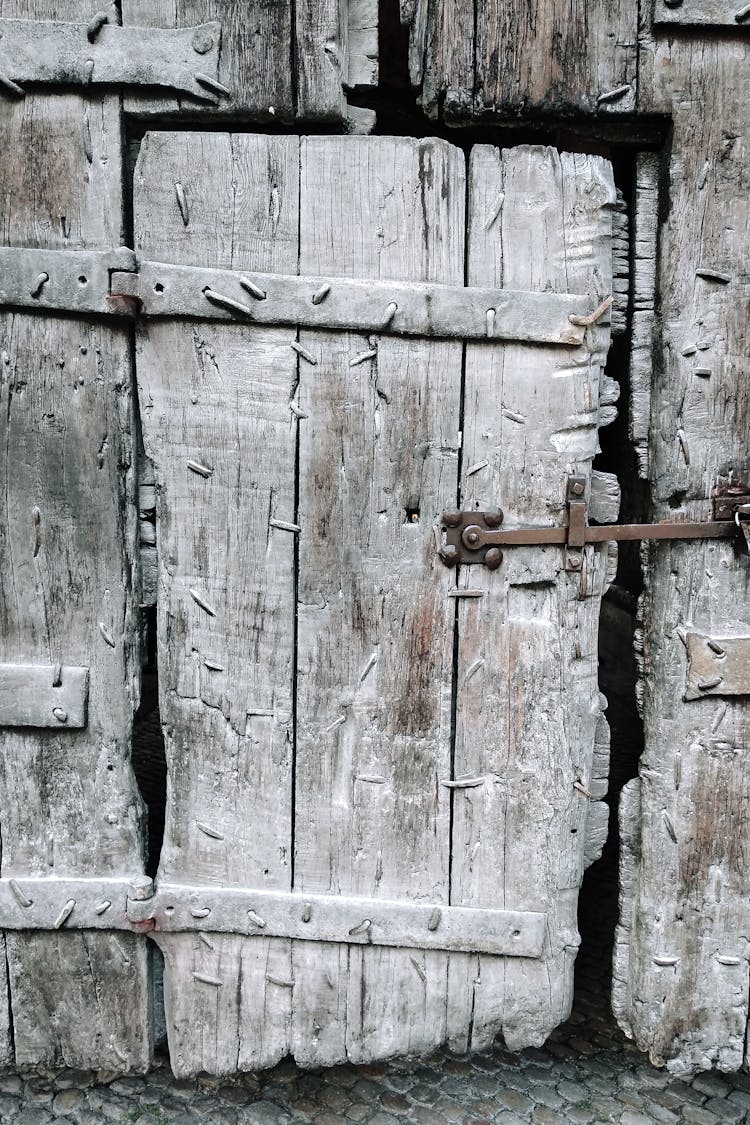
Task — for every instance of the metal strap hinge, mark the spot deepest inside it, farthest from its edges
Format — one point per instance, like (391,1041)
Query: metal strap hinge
(101,53)
(476,537)
(137,905)
(115,281)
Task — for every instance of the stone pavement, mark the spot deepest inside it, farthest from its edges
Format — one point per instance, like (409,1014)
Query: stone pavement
(587,1072)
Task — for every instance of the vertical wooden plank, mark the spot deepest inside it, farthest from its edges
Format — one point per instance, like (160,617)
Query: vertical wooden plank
(218,396)
(278,60)
(378,463)
(495,57)
(69,799)
(255,61)
(682,971)
(556,56)
(527,697)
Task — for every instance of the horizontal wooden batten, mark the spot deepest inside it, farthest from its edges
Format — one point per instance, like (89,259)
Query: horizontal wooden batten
(49,904)
(43,695)
(100,53)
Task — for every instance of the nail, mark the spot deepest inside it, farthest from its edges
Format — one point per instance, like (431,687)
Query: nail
(713,275)
(18,894)
(707,682)
(225,302)
(587,321)
(475,468)
(363,357)
(217,982)
(200,911)
(209,609)
(182,202)
(282,525)
(95,24)
(368,667)
(320,294)
(207,830)
(39,282)
(456,593)
(253,289)
(60,715)
(212,665)
(491,322)
(682,438)
(669,826)
(11,86)
(420,971)
(434,920)
(361,928)
(64,914)
(201,470)
(464,783)
(211,84)
(613,95)
(106,634)
(256,919)
(304,353)
(86,137)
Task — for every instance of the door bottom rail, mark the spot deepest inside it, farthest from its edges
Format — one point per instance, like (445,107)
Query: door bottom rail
(141,906)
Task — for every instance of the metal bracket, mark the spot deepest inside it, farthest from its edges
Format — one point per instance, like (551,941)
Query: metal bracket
(114,281)
(708,13)
(74,281)
(101,53)
(43,695)
(476,537)
(717,666)
(139,906)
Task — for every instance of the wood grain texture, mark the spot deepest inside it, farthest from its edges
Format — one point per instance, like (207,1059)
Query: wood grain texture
(495,57)
(278,60)
(378,463)
(70,802)
(528,704)
(681,971)
(215,403)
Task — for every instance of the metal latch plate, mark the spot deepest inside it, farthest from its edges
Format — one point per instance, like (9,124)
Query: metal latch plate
(68,280)
(100,53)
(717,666)
(43,695)
(708,13)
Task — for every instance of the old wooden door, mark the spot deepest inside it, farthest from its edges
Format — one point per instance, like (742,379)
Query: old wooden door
(383,773)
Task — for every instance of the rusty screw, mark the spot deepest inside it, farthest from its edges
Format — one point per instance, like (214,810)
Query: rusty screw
(451,519)
(493,517)
(493,558)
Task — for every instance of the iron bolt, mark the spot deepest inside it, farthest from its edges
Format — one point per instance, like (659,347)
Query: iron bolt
(202,42)
(574,561)
(472,537)
(493,558)
(449,554)
(493,517)
(451,519)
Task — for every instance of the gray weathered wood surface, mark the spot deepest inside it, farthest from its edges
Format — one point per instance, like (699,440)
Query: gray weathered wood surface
(332,454)
(69,801)
(527,699)
(681,968)
(278,61)
(549,57)
(215,403)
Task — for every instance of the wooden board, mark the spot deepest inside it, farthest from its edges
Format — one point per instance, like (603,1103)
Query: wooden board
(681,969)
(378,462)
(278,61)
(546,57)
(215,403)
(70,803)
(528,704)
(347,445)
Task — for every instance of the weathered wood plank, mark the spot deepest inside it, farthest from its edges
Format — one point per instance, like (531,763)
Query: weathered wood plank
(215,403)
(681,975)
(491,57)
(258,43)
(645,224)
(378,460)
(528,705)
(70,802)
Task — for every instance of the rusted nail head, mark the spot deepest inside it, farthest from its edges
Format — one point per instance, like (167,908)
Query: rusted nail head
(493,558)
(449,555)
(202,42)
(493,517)
(451,519)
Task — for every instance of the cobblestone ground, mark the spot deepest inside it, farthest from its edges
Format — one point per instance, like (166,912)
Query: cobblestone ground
(588,1072)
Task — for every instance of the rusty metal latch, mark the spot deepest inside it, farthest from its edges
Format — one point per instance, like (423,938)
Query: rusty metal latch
(476,537)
